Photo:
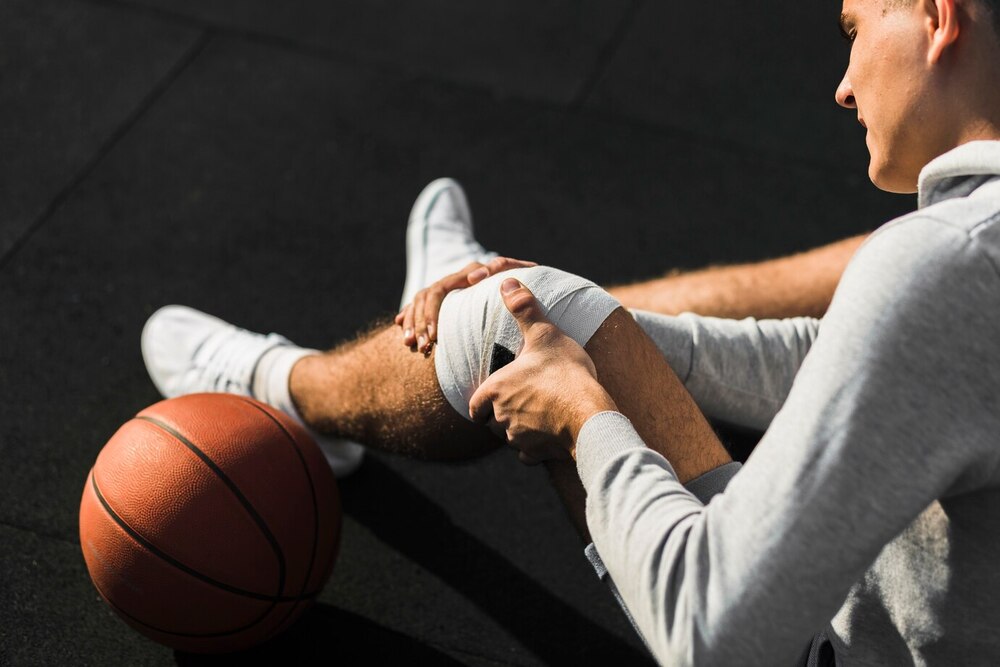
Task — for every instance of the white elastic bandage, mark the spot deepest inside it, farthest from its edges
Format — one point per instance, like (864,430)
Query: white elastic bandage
(478,335)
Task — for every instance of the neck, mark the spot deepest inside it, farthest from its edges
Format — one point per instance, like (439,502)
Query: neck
(969,97)
(977,84)
(983,129)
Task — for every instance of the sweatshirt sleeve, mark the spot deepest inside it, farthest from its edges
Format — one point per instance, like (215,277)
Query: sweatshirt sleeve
(738,371)
(887,414)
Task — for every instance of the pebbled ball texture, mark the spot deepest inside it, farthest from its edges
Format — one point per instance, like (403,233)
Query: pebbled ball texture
(210,522)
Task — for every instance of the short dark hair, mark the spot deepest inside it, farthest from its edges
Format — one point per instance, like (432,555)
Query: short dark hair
(993,6)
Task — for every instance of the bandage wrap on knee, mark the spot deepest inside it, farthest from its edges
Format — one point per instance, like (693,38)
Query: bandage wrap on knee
(478,336)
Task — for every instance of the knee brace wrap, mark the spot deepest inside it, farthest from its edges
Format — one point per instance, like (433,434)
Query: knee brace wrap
(479,336)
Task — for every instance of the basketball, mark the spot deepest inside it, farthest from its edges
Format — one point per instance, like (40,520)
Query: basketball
(210,522)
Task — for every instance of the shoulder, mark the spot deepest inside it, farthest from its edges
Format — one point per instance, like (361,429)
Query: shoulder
(933,251)
(910,338)
(918,282)
(955,232)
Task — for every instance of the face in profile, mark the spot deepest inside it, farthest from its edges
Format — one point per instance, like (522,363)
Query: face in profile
(888,83)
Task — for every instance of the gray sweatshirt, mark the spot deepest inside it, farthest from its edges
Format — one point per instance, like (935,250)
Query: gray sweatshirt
(871,507)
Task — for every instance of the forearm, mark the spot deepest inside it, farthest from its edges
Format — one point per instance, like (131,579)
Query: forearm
(797,285)
(691,577)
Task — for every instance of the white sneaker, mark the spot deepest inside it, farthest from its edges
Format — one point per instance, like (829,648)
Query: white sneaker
(439,237)
(187,351)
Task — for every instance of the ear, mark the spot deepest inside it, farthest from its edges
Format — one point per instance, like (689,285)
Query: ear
(942,27)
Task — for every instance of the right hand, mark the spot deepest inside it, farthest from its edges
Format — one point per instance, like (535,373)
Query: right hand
(419,318)
(541,400)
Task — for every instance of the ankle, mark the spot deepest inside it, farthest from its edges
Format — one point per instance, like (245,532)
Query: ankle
(272,377)
(303,379)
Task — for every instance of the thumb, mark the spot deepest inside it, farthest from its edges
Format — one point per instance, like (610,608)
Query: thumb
(523,305)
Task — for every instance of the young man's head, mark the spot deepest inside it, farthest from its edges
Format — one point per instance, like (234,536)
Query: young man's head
(924,76)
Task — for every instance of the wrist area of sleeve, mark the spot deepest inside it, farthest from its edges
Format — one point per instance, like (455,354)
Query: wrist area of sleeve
(602,437)
(708,485)
(607,434)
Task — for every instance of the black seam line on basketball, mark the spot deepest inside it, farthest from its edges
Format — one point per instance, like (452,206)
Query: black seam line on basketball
(152,548)
(193,635)
(207,635)
(312,493)
(312,487)
(257,518)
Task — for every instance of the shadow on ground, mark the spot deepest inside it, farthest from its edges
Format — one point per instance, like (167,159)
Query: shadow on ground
(423,531)
(328,635)
(419,528)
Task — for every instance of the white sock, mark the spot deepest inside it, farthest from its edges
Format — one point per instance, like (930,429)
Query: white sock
(270,385)
(478,335)
(270,382)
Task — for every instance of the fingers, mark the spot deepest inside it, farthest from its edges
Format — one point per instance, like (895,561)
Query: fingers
(486,408)
(432,309)
(481,403)
(420,321)
(470,268)
(433,298)
(419,318)
(525,308)
(426,307)
(495,266)
(408,338)
(418,331)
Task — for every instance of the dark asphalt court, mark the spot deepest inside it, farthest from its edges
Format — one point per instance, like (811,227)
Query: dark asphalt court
(258,160)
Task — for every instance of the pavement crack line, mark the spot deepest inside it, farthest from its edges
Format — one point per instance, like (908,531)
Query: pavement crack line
(573,107)
(607,54)
(145,104)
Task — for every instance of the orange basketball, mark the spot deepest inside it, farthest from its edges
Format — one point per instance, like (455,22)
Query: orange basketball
(210,522)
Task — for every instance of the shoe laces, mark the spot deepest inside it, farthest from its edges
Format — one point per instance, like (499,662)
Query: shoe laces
(227,360)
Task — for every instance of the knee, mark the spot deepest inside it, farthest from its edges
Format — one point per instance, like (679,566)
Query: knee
(565,298)
(550,286)
(574,304)
(543,278)
(478,336)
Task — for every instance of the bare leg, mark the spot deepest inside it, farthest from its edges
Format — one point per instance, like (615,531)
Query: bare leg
(377,392)
(637,377)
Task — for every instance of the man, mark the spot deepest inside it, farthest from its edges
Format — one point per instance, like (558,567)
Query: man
(873,498)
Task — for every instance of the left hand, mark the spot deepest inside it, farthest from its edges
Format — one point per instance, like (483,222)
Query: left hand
(419,318)
(540,400)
